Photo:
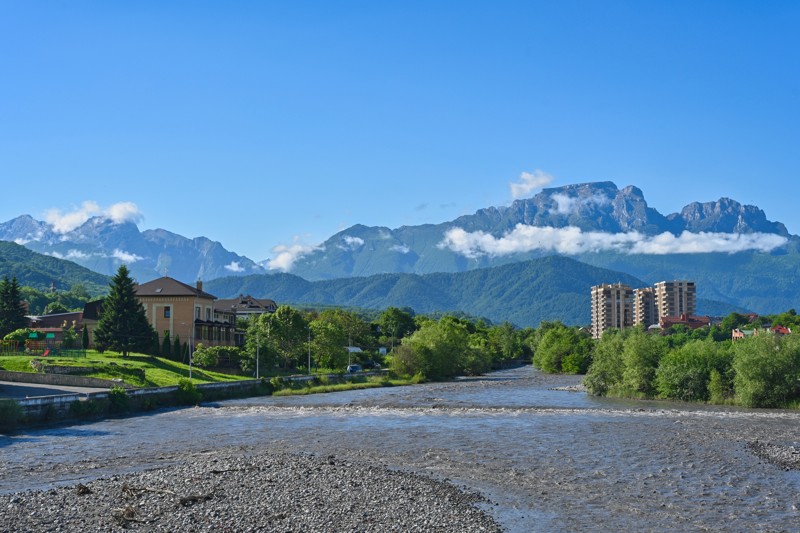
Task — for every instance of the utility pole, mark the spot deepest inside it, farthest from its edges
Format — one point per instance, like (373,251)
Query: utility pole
(258,347)
(309,349)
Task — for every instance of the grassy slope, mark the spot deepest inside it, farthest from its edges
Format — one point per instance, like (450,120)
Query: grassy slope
(158,372)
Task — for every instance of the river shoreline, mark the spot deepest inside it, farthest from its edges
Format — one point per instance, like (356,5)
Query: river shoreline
(543,458)
(248,490)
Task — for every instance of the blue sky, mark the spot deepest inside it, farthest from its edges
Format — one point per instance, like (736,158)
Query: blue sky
(260,124)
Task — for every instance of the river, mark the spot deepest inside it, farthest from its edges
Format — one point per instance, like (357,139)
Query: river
(546,460)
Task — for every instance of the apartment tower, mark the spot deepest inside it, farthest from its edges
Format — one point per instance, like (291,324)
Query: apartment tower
(675,298)
(644,307)
(612,307)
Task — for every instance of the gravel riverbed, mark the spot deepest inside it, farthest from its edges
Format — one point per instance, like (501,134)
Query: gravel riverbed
(244,490)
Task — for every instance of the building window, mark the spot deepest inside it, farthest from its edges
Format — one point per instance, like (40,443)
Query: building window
(208,314)
(197,312)
(167,312)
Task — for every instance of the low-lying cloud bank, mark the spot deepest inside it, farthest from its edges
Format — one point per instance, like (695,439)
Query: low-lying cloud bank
(573,241)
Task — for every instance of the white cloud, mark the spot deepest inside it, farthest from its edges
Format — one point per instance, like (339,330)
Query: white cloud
(71,255)
(65,222)
(286,256)
(572,240)
(124,212)
(529,182)
(351,243)
(234,266)
(564,204)
(402,248)
(125,257)
(117,213)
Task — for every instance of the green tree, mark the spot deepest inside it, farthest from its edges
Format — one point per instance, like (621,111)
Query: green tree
(563,349)
(176,348)
(684,374)
(54,308)
(287,329)
(767,369)
(123,325)
(328,343)
(396,324)
(12,309)
(438,348)
(604,376)
(85,338)
(641,355)
(166,346)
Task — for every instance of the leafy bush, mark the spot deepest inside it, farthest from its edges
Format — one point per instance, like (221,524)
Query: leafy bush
(684,374)
(767,369)
(118,399)
(187,393)
(605,373)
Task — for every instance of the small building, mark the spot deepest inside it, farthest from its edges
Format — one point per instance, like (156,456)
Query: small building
(690,321)
(246,306)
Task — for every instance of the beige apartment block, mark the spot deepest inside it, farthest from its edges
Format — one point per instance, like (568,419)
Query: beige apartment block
(644,307)
(675,298)
(612,307)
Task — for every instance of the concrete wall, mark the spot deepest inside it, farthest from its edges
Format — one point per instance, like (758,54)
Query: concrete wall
(60,379)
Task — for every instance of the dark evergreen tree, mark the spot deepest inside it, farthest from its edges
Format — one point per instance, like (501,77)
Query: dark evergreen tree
(85,338)
(166,346)
(176,348)
(123,325)
(12,309)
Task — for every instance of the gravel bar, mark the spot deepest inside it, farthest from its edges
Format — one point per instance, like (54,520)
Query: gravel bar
(246,491)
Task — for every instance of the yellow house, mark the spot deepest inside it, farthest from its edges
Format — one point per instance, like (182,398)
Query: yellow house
(175,308)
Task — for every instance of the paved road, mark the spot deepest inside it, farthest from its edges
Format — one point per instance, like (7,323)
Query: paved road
(10,389)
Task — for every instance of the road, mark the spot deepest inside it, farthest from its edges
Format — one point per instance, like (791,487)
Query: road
(18,391)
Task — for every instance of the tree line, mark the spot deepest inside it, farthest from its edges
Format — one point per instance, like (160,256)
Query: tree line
(688,365)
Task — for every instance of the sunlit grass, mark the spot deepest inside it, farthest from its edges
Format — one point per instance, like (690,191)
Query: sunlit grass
(158,372)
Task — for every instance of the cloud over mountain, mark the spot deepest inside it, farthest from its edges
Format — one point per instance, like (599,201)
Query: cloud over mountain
(64,222)
(529,182)
(572,241)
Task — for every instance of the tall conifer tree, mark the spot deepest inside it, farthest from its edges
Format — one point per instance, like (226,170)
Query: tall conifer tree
(123,325)
(12,309)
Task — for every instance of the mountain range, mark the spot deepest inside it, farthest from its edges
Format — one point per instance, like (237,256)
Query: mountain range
(738,258)
(101,244)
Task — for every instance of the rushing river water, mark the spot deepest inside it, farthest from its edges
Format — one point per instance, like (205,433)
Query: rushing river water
(546,460)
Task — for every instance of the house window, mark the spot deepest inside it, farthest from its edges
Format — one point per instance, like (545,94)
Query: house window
(208,314)
(167,312)
(197,312)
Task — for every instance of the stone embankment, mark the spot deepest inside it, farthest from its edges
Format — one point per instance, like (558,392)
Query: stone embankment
(242,491)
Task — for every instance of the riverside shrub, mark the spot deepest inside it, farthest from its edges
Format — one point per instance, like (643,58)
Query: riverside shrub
(684,374)
(767,370)
(187,392)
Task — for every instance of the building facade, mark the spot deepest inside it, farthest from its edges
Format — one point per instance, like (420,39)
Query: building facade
(177,309)
(675,298)
(612,307)
(644,307)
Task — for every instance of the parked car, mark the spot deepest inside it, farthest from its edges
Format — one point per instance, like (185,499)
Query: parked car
(352,369)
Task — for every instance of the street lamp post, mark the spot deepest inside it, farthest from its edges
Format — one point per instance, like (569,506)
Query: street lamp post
(309,349)
(258,349)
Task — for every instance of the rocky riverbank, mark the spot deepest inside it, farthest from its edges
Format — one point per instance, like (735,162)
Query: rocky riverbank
(246,491)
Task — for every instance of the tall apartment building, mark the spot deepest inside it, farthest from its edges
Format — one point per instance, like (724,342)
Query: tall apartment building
(644,307)
(674,298)
(612,307)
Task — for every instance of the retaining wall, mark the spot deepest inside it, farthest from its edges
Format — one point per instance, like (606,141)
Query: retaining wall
(60,379)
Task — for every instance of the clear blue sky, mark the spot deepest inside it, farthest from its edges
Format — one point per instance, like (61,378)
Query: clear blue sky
(265,123)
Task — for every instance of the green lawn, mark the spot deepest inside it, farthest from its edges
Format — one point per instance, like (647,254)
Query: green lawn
(158,372)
